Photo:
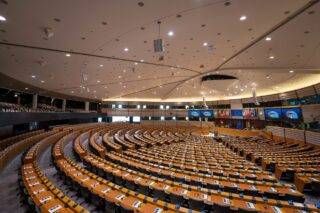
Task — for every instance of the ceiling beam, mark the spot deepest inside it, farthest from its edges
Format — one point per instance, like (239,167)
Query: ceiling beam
(261,37)
(96,56)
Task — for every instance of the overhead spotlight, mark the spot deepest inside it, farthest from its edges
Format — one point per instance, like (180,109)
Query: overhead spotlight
(2,18)
(26,88)
(242,18)
(42,81)
(101,65)
(68,55)
(170,33)
(268,39)
(126,49)
(33,76)
(205,44)
(271,57)
(291,71)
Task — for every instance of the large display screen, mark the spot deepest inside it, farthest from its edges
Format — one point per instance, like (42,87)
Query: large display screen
(120,119)
(250,113)
(206,113)
(200,113)
(291,113)
(274,113)
(194,113)
(223,113)
(236,113)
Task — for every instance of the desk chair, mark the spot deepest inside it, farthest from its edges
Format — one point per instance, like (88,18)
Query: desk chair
(176,199)
(109,176)
(125,210)
(109,206)
(289,175)
(97,200)
(195,183)
(118,180)
(85,193)
(230,189)
(101,172)
(272,195)
(298,199)
(213,186)
(160,194)
(315,187)
(217,208)
(252,192)
(130,184)
(144,189)
(197,205)
(75,186)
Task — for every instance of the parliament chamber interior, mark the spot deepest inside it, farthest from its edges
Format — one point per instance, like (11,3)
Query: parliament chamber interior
(155,106)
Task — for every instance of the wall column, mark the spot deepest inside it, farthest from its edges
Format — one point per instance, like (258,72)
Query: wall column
(35,101)
(86,107)
(64,103)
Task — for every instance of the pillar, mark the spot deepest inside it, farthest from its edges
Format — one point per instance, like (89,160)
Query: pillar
(86,106)
(64,103)
(35,101)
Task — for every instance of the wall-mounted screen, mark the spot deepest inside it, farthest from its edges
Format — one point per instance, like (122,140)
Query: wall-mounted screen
(136,119)
(250,113)
(120,119)
(274,113)
(223,113)
(236,113)
(194,113)
(291,113)
(206,113)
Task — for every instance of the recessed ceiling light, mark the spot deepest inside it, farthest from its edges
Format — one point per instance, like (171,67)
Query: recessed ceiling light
(126,49)
(141,60)
(68,54)
(124,70)
(291,71)
(205,44)
(139,76)
(98,81)
(2,18)
(241,90)
(242,18)
(268,39)
(72,92)
(267,76)
(101,65)
(42,81)
(26,88)
(33,76)
(170,33)
(271,57)
(119,76)
(135,63)
(105,87)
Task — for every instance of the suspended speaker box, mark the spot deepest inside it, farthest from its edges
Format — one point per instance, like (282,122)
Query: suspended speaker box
(158,45)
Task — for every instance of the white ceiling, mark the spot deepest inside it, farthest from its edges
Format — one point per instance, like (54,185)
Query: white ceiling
(96,33)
